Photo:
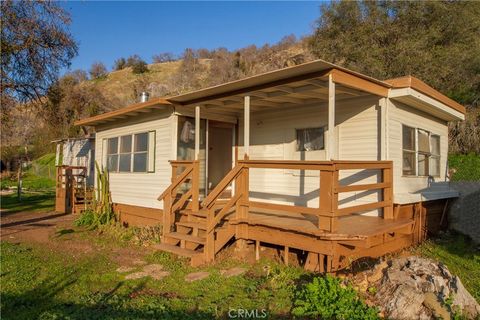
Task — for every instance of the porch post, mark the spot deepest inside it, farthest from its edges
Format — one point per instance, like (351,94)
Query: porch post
(331,147)
(246,128)
(383,128)
(197,132)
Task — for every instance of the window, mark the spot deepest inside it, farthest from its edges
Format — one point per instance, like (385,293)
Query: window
(131,153)
(421,152)
(112,154)
(409,167)
(310,139)
(140,153)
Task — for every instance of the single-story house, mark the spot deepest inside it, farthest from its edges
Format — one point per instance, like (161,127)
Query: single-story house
(315,157)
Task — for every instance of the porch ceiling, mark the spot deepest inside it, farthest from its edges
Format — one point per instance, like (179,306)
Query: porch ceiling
(286,95)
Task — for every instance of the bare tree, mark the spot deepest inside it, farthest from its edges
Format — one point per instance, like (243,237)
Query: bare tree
(98,70)
(36,45)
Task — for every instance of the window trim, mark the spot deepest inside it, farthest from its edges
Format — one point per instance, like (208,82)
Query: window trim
(148,152)
(428,155)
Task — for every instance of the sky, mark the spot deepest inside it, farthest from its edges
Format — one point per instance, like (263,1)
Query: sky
(112,29)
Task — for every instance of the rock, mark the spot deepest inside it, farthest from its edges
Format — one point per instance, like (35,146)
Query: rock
(195,276)
(377,273)
(124,269)
(136,275)
(405,303)
(464,300)
(236,271)
(152,268)
(159,275)
(431,302)
(418,288)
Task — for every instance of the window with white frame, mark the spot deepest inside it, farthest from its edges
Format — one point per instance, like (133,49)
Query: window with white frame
(131,153)
(310,139)
(420,152)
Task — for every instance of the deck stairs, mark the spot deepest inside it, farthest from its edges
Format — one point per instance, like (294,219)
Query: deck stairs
(188,237)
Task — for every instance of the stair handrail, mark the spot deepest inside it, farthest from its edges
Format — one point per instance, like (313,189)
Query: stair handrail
(222,185)
(177,181)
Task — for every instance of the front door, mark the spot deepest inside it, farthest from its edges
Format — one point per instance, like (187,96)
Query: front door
(220,142)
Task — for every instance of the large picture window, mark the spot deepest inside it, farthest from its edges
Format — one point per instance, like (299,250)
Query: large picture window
(420,152)
(310,139)
(131,153)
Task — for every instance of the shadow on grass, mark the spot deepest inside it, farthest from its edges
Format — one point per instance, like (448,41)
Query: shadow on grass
(34,202)
(43,301)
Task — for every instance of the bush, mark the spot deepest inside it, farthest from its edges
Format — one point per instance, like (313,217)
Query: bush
(325,298)
(139,67)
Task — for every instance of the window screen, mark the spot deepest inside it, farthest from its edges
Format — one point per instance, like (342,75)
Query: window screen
(130,153)
(310,139)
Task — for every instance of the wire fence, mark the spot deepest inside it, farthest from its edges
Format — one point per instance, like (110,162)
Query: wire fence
(45,171)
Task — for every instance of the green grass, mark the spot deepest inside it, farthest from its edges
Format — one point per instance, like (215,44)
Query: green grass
(37,283)
(460,255)
(467,166)
(30,202)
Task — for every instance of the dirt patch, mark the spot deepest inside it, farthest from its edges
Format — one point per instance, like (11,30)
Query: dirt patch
(56,231)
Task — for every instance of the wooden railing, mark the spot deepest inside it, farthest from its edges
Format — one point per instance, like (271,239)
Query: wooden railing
(328,211)
(65,186)
(172,203)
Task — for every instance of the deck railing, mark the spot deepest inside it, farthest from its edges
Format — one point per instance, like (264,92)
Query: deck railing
(328,211)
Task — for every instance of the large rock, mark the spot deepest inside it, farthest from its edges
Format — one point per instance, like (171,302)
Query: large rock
(419,288)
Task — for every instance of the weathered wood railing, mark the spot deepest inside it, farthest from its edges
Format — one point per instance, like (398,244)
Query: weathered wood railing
(65,187)
(328,211)
(171,203)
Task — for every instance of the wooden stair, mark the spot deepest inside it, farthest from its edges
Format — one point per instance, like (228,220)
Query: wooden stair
(188,239)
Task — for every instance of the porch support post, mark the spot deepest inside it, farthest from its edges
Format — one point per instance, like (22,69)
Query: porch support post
(197,132)
(246,128)
(331,147)
(383,128)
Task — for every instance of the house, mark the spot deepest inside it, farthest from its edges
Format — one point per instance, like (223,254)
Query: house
(315,158)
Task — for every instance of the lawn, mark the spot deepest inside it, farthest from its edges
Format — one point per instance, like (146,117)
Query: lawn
(37,283)
(29,202)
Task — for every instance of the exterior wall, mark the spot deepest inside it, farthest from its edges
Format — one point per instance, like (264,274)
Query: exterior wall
(273,137)
(399,114)
(142,189)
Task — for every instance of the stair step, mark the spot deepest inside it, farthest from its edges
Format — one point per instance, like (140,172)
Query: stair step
(201,213)
(192,225)
(176,250)
(186,237)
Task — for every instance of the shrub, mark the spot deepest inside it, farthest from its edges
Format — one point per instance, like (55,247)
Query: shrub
(139,67)
(466,166)
(325,298)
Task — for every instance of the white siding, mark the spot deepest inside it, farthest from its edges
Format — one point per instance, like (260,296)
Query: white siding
(400,114)
(273,137)
(142,189)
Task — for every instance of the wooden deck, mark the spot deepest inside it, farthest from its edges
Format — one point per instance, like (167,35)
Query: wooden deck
(330,235)
(349,227)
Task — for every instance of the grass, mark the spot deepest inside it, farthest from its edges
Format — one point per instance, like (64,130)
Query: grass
(467,166)
(30,202)
(460,255)
(38,283)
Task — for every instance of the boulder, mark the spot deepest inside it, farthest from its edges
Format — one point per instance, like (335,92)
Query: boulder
(419,288)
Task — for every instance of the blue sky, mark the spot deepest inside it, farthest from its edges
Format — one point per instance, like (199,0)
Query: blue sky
(112,29)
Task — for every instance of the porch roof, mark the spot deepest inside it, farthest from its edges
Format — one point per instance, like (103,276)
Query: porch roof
(306,83)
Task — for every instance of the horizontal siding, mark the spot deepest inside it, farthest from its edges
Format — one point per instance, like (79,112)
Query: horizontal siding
(272,137)
(400,114)
(142,189)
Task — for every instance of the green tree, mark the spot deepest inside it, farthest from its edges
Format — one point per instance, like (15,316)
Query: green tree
(436,41)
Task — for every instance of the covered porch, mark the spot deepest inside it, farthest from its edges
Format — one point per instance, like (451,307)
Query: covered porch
(310,199)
